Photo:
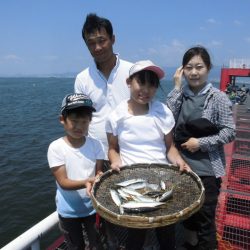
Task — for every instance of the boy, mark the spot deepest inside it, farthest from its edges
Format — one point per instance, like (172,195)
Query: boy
(74,160)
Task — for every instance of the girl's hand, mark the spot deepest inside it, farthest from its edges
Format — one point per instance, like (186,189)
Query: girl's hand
(178,78)
(183,166)
(192,145)
(116,166)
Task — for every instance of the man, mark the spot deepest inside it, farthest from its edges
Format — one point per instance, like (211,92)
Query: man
(104,82)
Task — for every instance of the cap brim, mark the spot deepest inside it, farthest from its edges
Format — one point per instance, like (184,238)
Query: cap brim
(158,71)
(79,106)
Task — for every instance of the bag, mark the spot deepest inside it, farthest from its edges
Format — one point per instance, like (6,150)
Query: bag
(197,128)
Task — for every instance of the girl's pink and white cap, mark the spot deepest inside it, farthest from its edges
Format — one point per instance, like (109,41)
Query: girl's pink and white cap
(146,65)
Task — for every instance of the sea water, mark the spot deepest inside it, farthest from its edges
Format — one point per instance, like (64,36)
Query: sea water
(29,111)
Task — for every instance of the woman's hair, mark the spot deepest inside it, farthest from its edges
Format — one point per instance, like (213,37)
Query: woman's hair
(146,76)
(94,22)
(197,51)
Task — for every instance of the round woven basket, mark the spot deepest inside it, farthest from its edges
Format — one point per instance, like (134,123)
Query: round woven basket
(188,195)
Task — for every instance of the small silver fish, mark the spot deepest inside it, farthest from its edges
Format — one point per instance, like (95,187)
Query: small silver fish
(129,182)
(124,195)
(143,199)
(115,197)
(133,206)
(163,185)
(131,191)
(138,185)
(153,187)
(167,195)
(152,194)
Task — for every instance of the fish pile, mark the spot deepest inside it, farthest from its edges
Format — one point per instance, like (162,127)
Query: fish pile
(137,195)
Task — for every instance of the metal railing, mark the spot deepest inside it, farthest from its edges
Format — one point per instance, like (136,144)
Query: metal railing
(239,63)
(233,213)
(31,237)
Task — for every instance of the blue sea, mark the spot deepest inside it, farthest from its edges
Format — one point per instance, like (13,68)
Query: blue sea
(29,109)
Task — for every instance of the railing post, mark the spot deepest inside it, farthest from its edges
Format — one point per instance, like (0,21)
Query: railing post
(31,237)
(36,245)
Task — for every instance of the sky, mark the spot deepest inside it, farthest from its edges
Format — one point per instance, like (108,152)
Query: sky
(44,37)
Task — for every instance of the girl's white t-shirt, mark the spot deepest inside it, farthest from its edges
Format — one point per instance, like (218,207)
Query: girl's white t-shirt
(141,138)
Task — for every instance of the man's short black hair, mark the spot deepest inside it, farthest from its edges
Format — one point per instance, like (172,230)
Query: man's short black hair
(94,22)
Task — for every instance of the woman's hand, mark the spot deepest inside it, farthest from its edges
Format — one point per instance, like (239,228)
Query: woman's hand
(178,78)
(192,145)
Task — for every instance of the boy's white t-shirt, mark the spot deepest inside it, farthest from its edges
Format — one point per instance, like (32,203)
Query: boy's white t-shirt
(80,164)
(141,138)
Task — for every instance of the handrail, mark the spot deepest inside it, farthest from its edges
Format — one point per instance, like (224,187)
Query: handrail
(31,237)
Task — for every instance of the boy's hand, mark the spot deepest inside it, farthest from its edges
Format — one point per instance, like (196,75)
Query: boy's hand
(89,183)
(98,176)
(88,188)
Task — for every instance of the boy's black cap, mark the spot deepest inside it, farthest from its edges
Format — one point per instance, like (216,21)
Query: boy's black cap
(73,101)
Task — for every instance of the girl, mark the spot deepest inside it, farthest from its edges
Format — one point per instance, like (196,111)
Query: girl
(139,130)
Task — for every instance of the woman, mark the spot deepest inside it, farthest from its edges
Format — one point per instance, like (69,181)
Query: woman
(204,123)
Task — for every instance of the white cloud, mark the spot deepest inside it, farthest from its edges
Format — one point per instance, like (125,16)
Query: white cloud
(165,53)
(177,44)
(247,39)
(215,43)
(237,22)
(211,20)
(50,58)
(12,58)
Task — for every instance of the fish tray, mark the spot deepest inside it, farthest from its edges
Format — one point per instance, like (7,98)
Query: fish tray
(188,195)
